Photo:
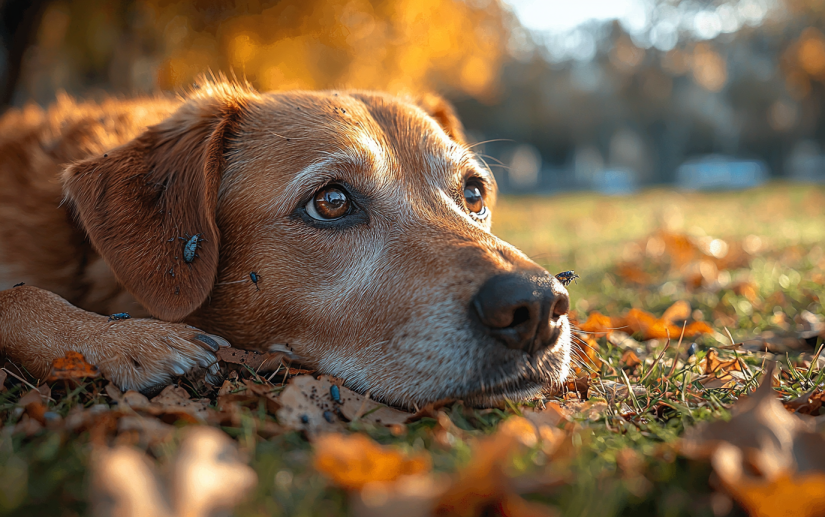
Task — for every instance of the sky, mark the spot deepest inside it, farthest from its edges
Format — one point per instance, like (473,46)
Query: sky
(565,15)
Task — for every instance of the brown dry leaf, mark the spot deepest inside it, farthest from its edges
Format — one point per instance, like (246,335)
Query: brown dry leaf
(649,326)
(355,460)
(482,485)
(207,478)
(72,367)
(806,404)
(307,404)
(358,407)
(764,449)
(797,494)
(719,373)
(39,394)
(678,312)
(174,403)
(258,361)
(630,359)
(597,325)
(680,248)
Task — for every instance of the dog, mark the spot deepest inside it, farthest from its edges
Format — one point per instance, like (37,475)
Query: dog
(350,229)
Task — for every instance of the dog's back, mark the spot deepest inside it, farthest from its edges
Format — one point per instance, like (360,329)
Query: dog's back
(39,242)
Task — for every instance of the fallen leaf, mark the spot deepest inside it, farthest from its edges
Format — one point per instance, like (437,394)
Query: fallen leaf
(597,324)
(482,487)
(308,404)
(630,359)
(72,367)
(796,494)
(678,312)
(258,361)
(207,478)
(355,460)
(764,449)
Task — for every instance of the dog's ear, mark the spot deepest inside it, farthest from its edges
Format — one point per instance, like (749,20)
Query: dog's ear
(144,203)
(443,113)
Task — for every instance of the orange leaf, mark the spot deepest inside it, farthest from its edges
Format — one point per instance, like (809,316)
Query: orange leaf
(712,363)
(678,312)
(72,367)
(353,461)
(630,359)
(696,328)
(650,327)
(597,324)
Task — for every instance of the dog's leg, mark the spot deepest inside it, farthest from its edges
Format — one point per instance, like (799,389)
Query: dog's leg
(37,327)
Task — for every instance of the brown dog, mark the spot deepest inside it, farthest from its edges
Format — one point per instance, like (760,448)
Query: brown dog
(364,218)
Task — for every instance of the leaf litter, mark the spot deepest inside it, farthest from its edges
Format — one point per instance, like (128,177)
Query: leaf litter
(652,386)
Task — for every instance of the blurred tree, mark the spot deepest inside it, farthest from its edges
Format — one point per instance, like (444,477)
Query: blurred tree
(19,20)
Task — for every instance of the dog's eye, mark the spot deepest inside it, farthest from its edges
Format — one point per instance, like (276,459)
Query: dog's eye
(331,202)
(474,201)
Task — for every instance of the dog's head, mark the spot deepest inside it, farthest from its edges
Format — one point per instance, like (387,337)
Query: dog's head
(366,222)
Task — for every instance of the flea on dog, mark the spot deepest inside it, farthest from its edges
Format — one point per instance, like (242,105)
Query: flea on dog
(254,277)
(119,316)
(191,247)
(566,277)
(335,393)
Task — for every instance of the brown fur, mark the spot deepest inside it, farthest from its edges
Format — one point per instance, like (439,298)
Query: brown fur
(381,301)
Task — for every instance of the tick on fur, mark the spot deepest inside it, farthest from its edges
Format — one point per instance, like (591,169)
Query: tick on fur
(329,416)
(191,247)
(335,393)
(119,316)
(304,419)
(566,277)
(254,277)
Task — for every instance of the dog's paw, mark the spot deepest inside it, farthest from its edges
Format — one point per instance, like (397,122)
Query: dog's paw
(149,354)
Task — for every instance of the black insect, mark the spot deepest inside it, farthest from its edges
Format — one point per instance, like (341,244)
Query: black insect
(335,393)
(254,277)
(329,416)
(191,246)
(692,349)
(304,419)
(18,285)
(119,316)
(565,277)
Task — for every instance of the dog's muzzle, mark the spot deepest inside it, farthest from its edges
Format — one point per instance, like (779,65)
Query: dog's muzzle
(522,311)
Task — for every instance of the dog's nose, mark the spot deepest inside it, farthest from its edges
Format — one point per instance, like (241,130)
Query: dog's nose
(521,311)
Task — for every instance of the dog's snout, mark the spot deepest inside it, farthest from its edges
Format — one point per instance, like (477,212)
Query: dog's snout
(521,311)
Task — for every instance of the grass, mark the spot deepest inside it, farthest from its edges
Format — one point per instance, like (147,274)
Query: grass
(622,461)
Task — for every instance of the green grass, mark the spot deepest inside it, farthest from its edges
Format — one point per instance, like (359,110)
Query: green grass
(45,474)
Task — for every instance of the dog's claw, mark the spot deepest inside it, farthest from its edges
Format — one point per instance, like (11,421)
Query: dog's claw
(213,342)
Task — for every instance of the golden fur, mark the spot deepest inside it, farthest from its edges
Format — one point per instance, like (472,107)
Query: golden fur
(97,201)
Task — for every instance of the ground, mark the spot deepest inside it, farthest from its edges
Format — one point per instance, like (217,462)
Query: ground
(738,275)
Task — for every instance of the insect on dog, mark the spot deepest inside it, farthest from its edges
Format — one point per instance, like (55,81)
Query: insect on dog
(119,316)
(566,277)
(254,277)
(191,246)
